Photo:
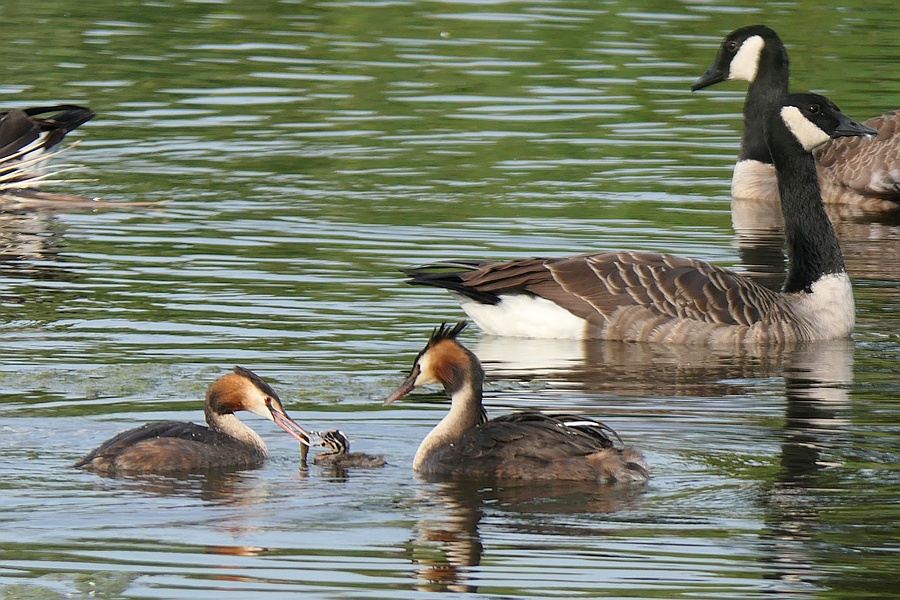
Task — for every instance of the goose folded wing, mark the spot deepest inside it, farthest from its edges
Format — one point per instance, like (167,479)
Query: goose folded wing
(593,286)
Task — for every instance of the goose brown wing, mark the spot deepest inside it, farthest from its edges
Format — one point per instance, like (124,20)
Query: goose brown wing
(869,166)
(18,128)
(597,285)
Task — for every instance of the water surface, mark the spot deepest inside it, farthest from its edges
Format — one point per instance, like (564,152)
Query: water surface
(306,151)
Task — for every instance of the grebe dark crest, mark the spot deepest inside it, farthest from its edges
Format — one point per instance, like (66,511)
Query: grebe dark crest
(649,297)
(175,446)
(523,445)
(339,455)
(27,142)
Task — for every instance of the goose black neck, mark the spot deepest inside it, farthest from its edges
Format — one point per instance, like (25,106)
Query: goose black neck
(763,96)
(812,245)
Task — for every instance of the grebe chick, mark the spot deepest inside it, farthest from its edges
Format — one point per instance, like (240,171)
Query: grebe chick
(339,455)
(524,445)
(175,446)
(27,141)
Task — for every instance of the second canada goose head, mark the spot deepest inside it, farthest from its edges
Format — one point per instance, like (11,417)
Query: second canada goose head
(812,120)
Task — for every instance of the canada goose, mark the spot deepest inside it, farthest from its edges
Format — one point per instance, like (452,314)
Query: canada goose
(522,445)
(649,297)
(858,170)
(27,141)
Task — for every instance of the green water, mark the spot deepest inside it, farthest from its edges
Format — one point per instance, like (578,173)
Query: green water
(306,151)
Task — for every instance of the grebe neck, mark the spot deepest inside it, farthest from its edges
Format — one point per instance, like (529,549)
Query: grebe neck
(230,425)
(466,413)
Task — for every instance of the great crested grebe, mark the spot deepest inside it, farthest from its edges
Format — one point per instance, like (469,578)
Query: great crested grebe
(649,297)
(524,445)
(175,446)
(27,140)
(339,455)
(857,170)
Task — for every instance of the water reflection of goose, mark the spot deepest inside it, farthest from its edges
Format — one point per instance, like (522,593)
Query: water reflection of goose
(621,368)
(640,296)
(525,445)
(870,243)
(174,446)
(861,171)
(813,438)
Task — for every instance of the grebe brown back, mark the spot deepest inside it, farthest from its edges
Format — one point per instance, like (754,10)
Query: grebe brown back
(339,455)
(524,445)
(27,141)
(175,446)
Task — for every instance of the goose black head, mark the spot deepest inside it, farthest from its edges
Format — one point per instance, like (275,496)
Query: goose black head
(813,119)
(739,56)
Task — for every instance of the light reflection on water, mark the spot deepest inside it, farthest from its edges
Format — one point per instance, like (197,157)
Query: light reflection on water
(307,152)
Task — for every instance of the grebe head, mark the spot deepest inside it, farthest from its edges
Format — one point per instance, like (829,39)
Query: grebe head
(245,390)
(443,360)
(335,440)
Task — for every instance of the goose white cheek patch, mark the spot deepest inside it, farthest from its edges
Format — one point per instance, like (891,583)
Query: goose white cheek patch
(807,133)
(745,63)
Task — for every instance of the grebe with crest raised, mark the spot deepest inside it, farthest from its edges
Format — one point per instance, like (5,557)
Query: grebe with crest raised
(526,445)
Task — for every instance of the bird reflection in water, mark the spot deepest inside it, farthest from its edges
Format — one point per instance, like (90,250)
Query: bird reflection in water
(814,438)
(446,546)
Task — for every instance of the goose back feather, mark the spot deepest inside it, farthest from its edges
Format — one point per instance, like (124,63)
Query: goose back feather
(649,297)
(28,139)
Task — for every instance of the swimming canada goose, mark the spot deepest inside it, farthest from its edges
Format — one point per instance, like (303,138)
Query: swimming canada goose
(649,297)
(527,445)
(857,170)
(27,141)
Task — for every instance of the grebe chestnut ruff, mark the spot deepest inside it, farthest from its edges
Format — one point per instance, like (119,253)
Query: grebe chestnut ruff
(339,455)
(527,445)
(175,446)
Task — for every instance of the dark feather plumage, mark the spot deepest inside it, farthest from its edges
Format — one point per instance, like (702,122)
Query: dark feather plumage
(615,290)
(527,445)
(27,140)
(173,446)
(538,446)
